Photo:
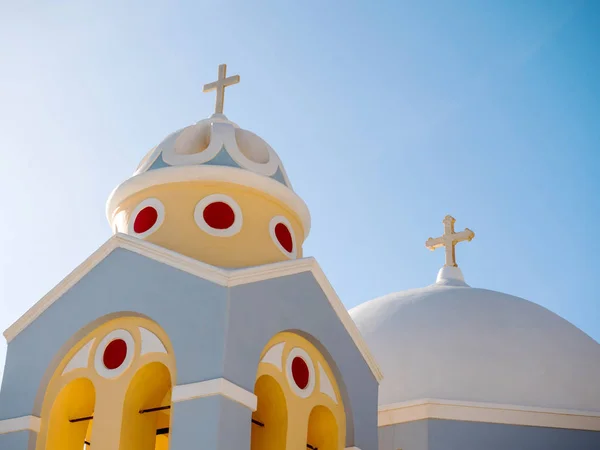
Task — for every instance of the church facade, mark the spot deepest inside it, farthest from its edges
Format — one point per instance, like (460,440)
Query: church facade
(199,324)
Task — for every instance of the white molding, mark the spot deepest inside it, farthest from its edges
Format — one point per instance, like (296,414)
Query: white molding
(352,448)
(160,212)
(25,423)
(216,386)
(487,412)
(283,220)
(222,134)
(105,372)
(217,275)
(238,218)
(232,175)
(302,393)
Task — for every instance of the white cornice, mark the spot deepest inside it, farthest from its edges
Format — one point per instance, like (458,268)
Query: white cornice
(487,412)
(217,386)
(217,275)
(25,423)
(233,175)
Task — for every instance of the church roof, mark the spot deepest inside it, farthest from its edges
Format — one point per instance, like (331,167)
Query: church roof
(458,343)
(453,343)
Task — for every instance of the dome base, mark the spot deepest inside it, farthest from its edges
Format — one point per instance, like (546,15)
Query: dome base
(450,276)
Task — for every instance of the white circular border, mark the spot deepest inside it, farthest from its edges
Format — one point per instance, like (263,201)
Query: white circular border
(98,358)
(160,209)
(272,224)
(303,393)
(213,198)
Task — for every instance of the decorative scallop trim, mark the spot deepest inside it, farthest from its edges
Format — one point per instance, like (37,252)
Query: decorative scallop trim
(303,393)
(272,224)
(99,363)
(160,210)
(237,211)
(222,134)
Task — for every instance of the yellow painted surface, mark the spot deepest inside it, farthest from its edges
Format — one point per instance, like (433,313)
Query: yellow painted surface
(272,410)
(316,417)
(75,399)
(146,390)
(322,429)
(147,380)
(179,232)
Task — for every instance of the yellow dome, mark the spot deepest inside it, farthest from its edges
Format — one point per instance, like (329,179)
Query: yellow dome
(216,193)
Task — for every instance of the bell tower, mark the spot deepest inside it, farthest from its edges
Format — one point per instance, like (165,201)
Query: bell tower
(199,323)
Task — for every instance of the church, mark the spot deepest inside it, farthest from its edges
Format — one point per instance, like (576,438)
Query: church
(201,324)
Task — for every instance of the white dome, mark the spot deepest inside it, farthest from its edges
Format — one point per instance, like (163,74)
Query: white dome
(216,141)
(466,344)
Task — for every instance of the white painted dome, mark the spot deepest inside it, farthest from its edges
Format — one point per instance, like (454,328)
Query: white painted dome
(453,342)
(216,141)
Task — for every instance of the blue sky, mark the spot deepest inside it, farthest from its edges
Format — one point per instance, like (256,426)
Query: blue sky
(387,116)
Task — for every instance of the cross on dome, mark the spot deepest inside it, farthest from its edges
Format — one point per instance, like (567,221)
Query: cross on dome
(449,240)
(222,82)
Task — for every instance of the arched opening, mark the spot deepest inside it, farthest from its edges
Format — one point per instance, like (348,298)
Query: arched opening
(69,424)
(322,429)
(146,409)
(269,421)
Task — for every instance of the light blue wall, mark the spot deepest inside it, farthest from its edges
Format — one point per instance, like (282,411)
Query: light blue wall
(404,436)
(192,312)
(261,310)
(21,440)
(435,434)
(214,423)
(457,435)
(215,332)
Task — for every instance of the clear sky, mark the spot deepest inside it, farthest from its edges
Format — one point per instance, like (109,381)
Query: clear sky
(387,116)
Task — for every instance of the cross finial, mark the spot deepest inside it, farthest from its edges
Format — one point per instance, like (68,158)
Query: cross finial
(220,85)
(449,240)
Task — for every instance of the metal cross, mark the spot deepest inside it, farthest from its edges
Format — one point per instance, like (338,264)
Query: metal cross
(220,86)
(449,240)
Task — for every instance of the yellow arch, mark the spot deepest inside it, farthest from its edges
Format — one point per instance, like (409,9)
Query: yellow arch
(319,406)
(271,410)
(75,400)
(83,362)
(322,429)
(149,388)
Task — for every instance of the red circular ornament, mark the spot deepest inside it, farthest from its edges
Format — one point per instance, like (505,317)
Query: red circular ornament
(114,354)
(219,215)
(300,372)
(145,219)
(283,235)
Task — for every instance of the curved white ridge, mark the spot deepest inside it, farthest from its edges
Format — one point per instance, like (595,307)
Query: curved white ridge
(201,142)
(232,175)
(458,343)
